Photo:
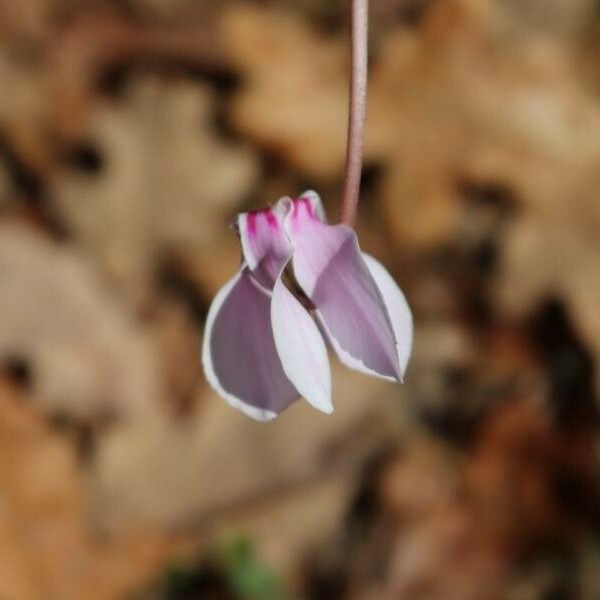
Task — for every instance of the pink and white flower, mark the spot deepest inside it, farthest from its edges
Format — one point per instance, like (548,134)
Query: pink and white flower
(263,346)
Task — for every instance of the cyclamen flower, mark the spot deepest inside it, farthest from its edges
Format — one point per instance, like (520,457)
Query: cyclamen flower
(263,346)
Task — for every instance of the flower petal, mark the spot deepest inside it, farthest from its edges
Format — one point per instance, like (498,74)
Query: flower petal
(329,266)
(239,355)
(397,308)
(265,245)
(301,348)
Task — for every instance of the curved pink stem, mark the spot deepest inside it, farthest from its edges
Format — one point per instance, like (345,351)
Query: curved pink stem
(357,114)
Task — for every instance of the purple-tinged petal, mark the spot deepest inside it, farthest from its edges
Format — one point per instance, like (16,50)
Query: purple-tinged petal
(239,354)
(397,308)
(301,348)
(329,267)
(265,244)
(307,205)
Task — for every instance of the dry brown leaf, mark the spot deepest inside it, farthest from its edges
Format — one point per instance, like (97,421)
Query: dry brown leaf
(563,18)
(87,355)
(444,558)
(513,474)
(32,20)
(48,548)
(23,109)
(456,100)
(549,257)
(175,10)
(21,87)
(169,183)
(217,463)
(95,41)
(284,530)
(5,186)
(461,526)
(211,269)
(424,475)
(178,338)
(435,549)
(53,56)
(294,96)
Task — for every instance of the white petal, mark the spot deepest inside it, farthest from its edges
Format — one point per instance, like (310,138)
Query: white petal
(301,348)
(265,244)
(239,355)
(330,269)
(397,308)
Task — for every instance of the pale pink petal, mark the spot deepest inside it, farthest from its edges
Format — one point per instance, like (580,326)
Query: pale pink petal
(329,266)
(397,308)
(301,348)
(239,354)
(265,245)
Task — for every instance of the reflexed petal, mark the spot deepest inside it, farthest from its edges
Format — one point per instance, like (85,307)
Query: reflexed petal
(265,244)
(397,308)
(315,243)
(329,266)
(239,354)
(301,348)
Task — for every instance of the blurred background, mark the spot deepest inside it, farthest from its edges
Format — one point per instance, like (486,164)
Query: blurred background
(131,133)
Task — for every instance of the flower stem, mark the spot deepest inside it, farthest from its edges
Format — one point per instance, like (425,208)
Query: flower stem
(358,101)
